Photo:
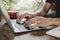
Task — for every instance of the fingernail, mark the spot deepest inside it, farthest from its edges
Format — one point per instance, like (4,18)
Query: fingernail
(40,27)
(17,23)
(27,28)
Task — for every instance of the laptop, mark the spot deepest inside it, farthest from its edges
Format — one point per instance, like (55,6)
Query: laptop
(16,28)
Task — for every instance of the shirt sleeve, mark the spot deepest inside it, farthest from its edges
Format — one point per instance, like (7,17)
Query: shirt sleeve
(50,1)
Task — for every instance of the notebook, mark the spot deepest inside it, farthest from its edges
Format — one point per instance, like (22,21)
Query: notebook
(54,32)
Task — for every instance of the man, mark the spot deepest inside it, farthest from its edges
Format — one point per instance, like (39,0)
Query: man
(43,21)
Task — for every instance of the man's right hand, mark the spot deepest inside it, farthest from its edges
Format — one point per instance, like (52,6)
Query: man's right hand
(19,17)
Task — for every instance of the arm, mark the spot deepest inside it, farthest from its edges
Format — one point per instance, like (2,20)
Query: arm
(56,21)
(46,8)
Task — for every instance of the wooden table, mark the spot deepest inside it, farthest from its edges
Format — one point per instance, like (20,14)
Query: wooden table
(7,34)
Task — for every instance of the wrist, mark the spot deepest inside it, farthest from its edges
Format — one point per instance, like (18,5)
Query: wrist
(55,21)
(33,16)
(52,21)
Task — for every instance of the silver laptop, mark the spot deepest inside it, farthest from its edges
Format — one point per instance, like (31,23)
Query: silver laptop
(12,23)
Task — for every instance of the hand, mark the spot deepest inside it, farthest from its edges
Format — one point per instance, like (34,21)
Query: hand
(38,21)
(19,17)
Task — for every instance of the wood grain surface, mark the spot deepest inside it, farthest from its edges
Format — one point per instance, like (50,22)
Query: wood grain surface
(7,34)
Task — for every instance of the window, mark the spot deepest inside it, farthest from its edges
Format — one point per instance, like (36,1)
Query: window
(23,5)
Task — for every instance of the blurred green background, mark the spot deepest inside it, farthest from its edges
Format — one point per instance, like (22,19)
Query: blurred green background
(23,5)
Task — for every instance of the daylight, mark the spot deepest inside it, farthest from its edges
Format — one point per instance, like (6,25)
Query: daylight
(25,5)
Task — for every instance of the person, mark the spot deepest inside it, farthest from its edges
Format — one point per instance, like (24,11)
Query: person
(39,17)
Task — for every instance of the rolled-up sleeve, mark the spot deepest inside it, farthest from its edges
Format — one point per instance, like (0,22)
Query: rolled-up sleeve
(50,1)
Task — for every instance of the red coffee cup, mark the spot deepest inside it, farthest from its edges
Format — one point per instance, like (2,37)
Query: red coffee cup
(13,14)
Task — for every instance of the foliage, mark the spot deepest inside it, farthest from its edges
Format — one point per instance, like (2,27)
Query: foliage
(23,5)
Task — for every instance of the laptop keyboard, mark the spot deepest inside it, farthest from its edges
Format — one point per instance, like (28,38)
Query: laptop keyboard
(20,27)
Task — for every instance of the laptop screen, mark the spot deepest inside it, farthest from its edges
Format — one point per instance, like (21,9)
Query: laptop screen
(5,13)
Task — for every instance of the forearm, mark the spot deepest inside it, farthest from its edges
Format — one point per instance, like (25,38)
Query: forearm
(56,21)
(44,11)
(41,13)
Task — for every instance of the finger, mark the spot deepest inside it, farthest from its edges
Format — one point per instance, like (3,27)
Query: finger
(27,23)
(34,26)
(18,19)
(43,26)
(30,21)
